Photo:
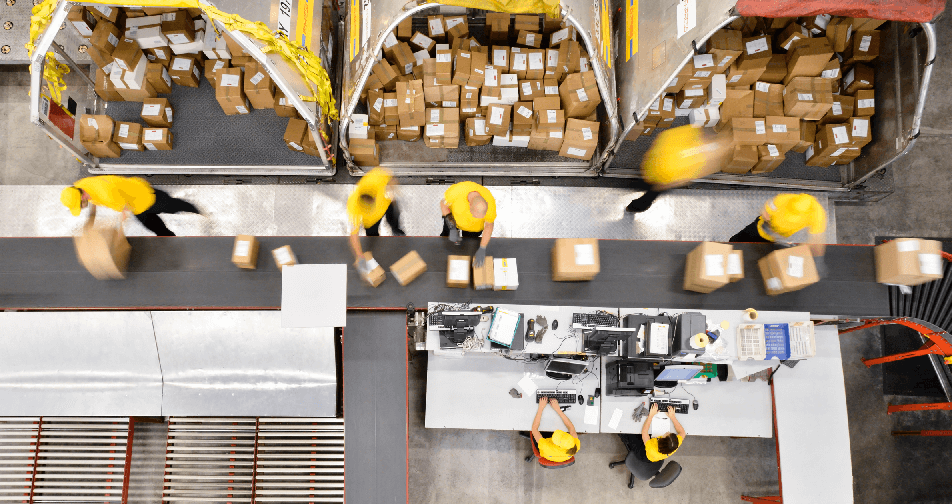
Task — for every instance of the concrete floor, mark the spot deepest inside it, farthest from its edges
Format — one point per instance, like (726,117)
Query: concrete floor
(488,467)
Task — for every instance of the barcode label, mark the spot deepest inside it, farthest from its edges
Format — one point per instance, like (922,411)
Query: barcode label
(772,150)
(257,78)
(378,103)
(756,46)
(152,134)
(524,112)
(805,96)
(151,109)
(864,43)
(582,96)
(860,128)
(867,103)
(586,133)
(779,128)
(760,128)
(123,130)
(840,135)
(572,151)
(763,87)
(837,108)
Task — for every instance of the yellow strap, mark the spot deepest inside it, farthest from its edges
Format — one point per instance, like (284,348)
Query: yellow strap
(53,73)
(306,62)
(550,7)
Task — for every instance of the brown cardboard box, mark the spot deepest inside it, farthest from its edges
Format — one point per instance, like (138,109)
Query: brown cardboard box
(157,112)
(749,131)
(519,62)
(737,77)
(865,103)
(127,54)
(550,141)
(84,20)
(284,256)
(499,58)
(408,133)
(457,28)
(158,77)
(562,36)
(838,32)
(408,268)
(497,26)
(756,53)
(688,98)
(529,39)
(184,72)
(436,28)
(705,268)
(384,132)
(478,77)
(522,118)
(784,131)
(831,138)
(735,266)
(807,136)
(475,132)
(535,65)
(528,22)
(737,103)
(230,93)
(841,110)
(549,120)
(499,119)
(179,28)
(377,275)
(161,55)
(375,109)
(463,61)
(410,103)
(402,58)
(258,86)
(128,135)
(138,95)
(386,74)
(768,99)
(390,112)
(551,23)
(791,34)
(581,139)
(863,47)
(858,78)
(776,69)
(807,58)
(105,37)
(365,152)
(405,29)
(908,261)
(157,139)
(105,88)
(788,269)
(742,160)
(725,46)
(282,107)
(294,134)
(579,94)
(860,131)
(770,158)
(458,271)
(96,135)
(103,251)
(552,68)
(816,24)
(469,102)
(245,252)
(575,259)
(807,97)
(483,277)
(100,59)
(530,90)
(421,41)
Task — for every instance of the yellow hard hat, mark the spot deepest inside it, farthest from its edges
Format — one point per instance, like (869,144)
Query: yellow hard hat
(563,439)
(677,154)
(802,203)
(72,199)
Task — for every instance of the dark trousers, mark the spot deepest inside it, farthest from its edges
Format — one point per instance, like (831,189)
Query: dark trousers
(393,220)
(749,234)
(163,204)
(636,445)
(466,234)
(644,201)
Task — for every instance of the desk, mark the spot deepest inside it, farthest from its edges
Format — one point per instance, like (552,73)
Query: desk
(472,392)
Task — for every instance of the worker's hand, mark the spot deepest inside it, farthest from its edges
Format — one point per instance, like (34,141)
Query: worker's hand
(543,402)
(454,235)
(554,402)
(670,411)
(362,266)
(479,258)
(654,409)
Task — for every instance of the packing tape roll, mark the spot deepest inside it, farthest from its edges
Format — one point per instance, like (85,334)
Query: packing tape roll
(700,340)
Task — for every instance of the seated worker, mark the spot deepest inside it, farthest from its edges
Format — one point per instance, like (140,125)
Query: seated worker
(660,448)
(562,445)
(367,206)
(469,209)
(788,219)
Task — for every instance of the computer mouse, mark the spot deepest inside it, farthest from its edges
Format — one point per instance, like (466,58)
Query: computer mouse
(555,324)
(694,403)
(581,400)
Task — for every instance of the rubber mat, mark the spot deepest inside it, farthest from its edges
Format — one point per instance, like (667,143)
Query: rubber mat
(907,377)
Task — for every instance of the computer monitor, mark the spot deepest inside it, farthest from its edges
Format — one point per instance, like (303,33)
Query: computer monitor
(678,373)
(564,369)
(457,326)
(605,341)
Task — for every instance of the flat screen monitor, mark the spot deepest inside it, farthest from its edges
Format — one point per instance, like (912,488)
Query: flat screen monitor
(678,373)
(565,367)
(461,320)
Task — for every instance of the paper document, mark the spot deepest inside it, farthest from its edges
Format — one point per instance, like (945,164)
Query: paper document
(616,417)
(527,385)
(660,425)
(591,415)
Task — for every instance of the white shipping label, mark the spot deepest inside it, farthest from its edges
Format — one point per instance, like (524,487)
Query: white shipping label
(779,128)
(530,38)
(839,151)
(392,102)
(459,270)
(555,134)
(519,61)
(572,151)
(763,87)
(451,22)
(772,150)
(113,40)
(492,77)
(241,109)
(283,255)
(805,96)
(840,135)
(283,101)
(760,128)
(390,41)
(178,38)
(495,115)
(229,80)
(668,104)
(733,265)
(867,103)
(830,74)
(295,145)
(219,65)
(655,105)
(124,130)
(693,92)
(586,133)
(257,78)
(725,61)
(168,16)
(774,283)
(758,45)
(435,115)
(702,74)
(242,248)
(864,43)
(552,58)
(407,68)
(378,103)
(535,61)
(436,26)
(837,108)
(860,128)
(449,104)
(907,245)
(687,103)
(848,79)
(714,265)
(165,77)
(469,110)
(500,57)
(152,134)
(150,146)
(160,53)
(791,41)
(703,61)
(104,9)
(469,96)
(551,90)
(686,16)
(795,266)
(524,112)
(674,82)
(181,63)
(443,57)
(735,78)
(585,254)
(197,74)
(559,36)
(849,32)
(822,20)
(152,109)
(421,40)
(551,116)
(582,96)
(930,264)
(809,153)
(526,88)
(480,125)
(168,113)
(435,129)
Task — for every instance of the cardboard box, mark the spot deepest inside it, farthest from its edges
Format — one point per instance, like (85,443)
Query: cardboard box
(776,69)
(788,269)
(245,252)
(96,135)
(458,271)
(229,92)
(749,131)
(128,135)
(865,103)
(158,77)
(178,27)
(742,159)
(364,152)
(457,27)
(860,131)
(831,138)
(863,47)
(127,54)
(549,120)
(838,32)
(792,33)
(738,77)
(157,139)
(705,268)
(866,24)
(105,37)
(103,251)
(184,72)
(505,274)
(784,131)
(421,41)
(771,157)
(157,112)
(908,261)
(376,276)
(138,95)
(529,39)
(405,29)
(816,24)
(860,77)
(737,103)
(475,132)
(497,26)
(735,266)
(704,117)
(483,277)
(284,256)
(499,58)
(581,139)
(807,136)
(575,259)
(546,140)
(725,46)
(258,86)
(522,118)
(283,107)
(408,133)
(82,19)
(410,103)
(768,99)
(807,97)
(756,53)
(579,95)
(161,55)
(841,110)
(295,133)
(499,119)
(436,28)
(807,58)
(408,268)
(105,88)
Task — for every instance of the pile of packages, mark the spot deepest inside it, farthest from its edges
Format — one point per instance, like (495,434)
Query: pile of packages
(141,52)
(778,85)
(526,83)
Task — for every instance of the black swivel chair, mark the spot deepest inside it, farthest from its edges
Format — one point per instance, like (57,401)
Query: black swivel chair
(645,471)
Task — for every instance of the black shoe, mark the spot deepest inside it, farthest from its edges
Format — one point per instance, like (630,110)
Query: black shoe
(398,232)
(638,206)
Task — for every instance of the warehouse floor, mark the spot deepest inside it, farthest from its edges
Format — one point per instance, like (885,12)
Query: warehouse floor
(484,466)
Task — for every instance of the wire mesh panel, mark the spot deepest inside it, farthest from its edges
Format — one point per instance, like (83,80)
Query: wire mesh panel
(81,460)
(18,438)
(210,460)
(300,460)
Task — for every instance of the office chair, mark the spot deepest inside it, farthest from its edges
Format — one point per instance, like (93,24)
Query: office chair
(645,471)
(546,463)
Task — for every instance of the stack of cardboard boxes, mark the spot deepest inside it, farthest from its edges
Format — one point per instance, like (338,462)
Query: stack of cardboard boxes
(525,82)
(779,85)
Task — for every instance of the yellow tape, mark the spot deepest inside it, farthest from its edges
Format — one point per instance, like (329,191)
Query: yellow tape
(53,73)
(306,62)
(550,7)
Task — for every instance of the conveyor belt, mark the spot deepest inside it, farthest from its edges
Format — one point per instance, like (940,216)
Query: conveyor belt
(42,273)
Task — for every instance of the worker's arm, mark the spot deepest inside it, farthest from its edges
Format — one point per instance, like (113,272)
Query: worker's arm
(568,423)
(355,246)
(487,235)
(538,421)
(91,215)
(646,427)
(816,244)
(676,423)
(444,208)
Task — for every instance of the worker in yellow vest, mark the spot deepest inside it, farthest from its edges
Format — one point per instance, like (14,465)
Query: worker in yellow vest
(788,219)
(469,210)
(369,204)
(122,194)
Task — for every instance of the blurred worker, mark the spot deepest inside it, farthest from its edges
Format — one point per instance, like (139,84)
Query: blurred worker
(660,448)
(469,210)
(125,193)
(788,219)
(370,203)
(677,157)
(562,445)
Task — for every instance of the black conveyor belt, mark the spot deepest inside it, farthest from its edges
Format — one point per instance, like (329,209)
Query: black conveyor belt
(375,412)
(182,272)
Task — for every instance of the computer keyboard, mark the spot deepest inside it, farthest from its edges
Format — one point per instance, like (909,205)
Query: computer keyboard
(563,396)
(680,405)
(594,320)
